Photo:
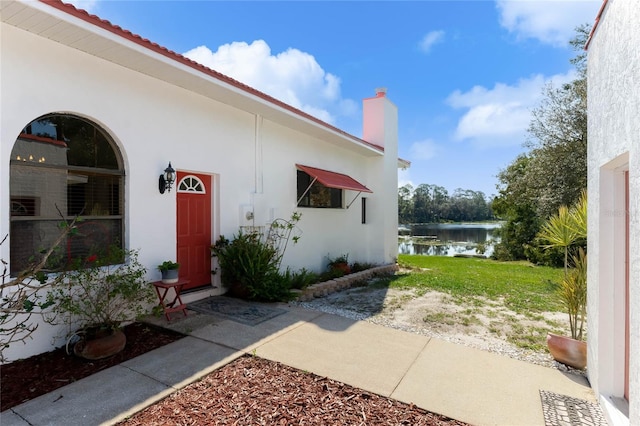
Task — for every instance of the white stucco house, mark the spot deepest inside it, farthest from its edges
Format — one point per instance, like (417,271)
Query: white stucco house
(91,115)
(614,210)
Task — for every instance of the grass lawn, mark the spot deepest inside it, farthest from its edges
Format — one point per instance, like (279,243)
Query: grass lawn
(476,284)
(524,288)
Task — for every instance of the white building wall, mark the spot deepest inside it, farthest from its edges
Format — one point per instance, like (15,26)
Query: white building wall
(325,232)
(252,160)
(614,148)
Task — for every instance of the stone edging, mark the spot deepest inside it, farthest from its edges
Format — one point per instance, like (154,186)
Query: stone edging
(344,282)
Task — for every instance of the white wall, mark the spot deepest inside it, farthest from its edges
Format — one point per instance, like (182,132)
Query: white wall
(325,232)
(614,147)
(251,160)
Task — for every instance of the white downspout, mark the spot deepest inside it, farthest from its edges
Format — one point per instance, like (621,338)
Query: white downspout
(259,169)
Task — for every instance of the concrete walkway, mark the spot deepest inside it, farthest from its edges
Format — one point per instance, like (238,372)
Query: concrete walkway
(466,384)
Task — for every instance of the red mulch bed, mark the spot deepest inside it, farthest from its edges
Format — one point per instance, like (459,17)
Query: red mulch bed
(248,391)
(29,378)
(255,391)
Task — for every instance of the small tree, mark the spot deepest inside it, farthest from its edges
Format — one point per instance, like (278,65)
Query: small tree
(102,292)
(21,296)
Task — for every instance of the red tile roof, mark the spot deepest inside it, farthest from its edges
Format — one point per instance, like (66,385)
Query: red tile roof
(595,24)
(128,35)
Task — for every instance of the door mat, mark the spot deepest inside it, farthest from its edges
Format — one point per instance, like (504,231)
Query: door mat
(248,313)
(563,410)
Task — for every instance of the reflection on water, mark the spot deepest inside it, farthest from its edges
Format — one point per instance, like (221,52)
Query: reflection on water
(446,239)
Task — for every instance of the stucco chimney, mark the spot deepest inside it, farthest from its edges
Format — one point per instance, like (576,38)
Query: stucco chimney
(380,127)
(380,121)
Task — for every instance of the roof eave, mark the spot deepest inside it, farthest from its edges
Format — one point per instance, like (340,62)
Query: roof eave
(403,164)
(595,24)
(136,53)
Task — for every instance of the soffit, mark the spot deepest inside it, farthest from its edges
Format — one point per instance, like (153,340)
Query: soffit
(100,38)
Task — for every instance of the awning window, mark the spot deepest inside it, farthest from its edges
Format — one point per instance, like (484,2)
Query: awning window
(330,180)
(333,179)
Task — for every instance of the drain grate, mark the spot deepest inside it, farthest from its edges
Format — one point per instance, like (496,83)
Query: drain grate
(563,410)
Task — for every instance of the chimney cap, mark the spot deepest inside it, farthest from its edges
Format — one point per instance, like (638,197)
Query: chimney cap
(381,91)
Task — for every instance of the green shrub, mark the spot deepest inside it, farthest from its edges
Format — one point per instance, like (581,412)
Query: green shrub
(553,256)
(250,263)
(331,274)
(274,287)
(244,260)
(102,292)
(362,266)
(301,279)
(168,265)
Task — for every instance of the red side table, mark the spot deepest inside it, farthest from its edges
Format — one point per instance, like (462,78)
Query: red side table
(176,304)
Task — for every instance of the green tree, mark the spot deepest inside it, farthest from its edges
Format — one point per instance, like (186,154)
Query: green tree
(421,204)
(440,203)
(432,204)
(405,204)
(553,172)
(515,206)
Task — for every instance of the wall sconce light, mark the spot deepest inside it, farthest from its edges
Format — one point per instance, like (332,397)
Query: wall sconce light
(167,179)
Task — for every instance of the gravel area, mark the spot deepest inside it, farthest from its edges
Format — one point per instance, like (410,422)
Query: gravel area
(434,314)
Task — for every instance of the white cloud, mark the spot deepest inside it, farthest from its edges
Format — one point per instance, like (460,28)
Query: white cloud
(292,76)
(550,21)
(404,178)
(88,5)
(423,150)
(501,115)
(430,39)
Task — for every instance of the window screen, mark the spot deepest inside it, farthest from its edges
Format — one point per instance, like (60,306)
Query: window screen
(63,166)
(317,195)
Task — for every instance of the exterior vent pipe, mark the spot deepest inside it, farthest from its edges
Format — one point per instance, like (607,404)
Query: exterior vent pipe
(381,92)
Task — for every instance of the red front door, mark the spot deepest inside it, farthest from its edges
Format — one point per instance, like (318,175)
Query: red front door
(194,228)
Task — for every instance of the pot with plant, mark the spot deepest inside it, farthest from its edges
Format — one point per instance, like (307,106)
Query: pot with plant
(170,271)
(97,296)
(340,263)
(568,230)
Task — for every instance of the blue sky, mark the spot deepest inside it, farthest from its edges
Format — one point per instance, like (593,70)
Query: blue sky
(463,74)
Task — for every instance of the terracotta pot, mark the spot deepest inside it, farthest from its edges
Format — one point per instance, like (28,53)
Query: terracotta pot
(342,266)
(239,291)
(101,346)
(568,351)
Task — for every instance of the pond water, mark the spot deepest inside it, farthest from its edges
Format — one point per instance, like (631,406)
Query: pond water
(447,239)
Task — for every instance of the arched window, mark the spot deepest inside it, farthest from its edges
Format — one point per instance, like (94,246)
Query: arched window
(191,183)
(64,165)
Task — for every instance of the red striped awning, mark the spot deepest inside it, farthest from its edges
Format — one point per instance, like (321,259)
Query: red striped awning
(333,179)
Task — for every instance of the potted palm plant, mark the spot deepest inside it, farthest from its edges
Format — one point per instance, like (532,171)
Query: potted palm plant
(566,229)
(169,270)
